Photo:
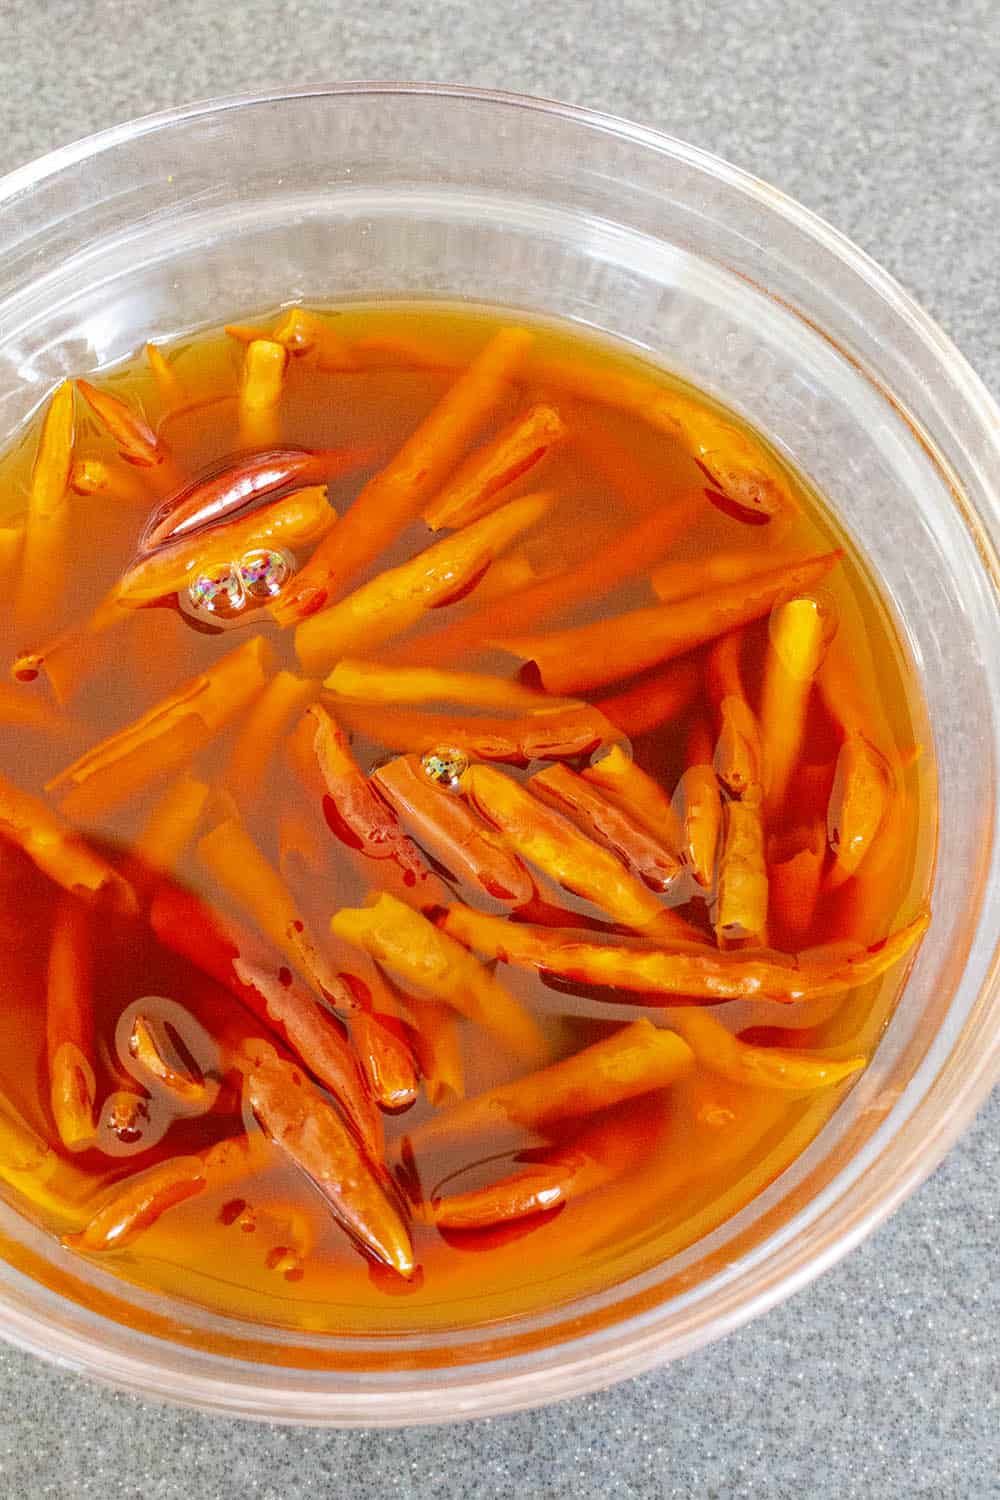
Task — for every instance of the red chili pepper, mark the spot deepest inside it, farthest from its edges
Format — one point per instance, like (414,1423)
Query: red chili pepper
(355,812)
(232,485)
(254,976)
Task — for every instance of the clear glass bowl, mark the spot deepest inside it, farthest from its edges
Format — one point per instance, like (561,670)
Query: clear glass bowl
(173,221)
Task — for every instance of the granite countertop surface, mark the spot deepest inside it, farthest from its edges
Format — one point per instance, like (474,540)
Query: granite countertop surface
(881,1378)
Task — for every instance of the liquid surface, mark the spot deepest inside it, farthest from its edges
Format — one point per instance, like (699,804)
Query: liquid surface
(786,738)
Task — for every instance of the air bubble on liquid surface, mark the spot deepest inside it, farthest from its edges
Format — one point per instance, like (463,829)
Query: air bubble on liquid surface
(445,766)
(220,595)
(233,591)
(264,572)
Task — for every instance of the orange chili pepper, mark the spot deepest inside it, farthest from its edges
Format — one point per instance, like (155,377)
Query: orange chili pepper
(634,1060)
(634,789)
(838,680)
(795,650)
(378,682)
(556,734)
(92,476)
(738,751)
(397,494)
(654,699)
(57,850)
(41,580)
(699,811)
(137,442)
(609,566)
(742,891)
(211,700)
(870,895)
(235,861)
(136,1204)
(399,597)
(549,841)
(387,1062)
(246,333)
(168,385)
(49,1183)
(698,741)
(302,332)
(297,520)
(746,475)
(255,977)
(151,1048)
(795,876)
(137,768)
(550,1177)
(745,472)
(438,1046)
(473,490)
(260,391)
(246,771)
(696,972)
(786,1069)
(235,485)
(515,570)
(862,791)
(865,800)
(723,674)
(296,1117)
(643,853)
(449,830)
(682,579)
(571,661)
(434,965)
(124,1115)
(357,814)
(70,1024)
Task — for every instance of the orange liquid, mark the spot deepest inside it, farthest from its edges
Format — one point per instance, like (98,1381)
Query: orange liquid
(268,1248)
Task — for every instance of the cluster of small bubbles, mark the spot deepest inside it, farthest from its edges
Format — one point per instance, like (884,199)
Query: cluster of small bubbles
(264,573)
(236,587)
(219,594)
(445,766)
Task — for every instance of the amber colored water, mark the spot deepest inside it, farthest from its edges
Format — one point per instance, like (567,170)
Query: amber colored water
(710,1145)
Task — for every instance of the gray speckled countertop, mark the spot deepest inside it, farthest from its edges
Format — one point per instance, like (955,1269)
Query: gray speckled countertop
(884,116)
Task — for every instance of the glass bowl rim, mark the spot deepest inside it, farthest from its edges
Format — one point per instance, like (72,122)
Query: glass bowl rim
(22,179)
(584,1362)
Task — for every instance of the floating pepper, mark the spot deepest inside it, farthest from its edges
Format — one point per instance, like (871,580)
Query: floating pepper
(695,972)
